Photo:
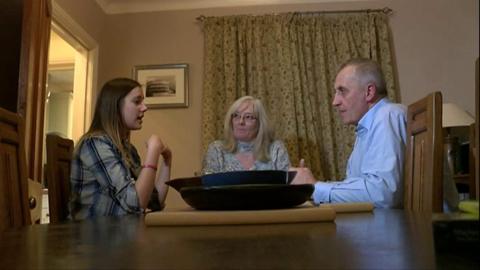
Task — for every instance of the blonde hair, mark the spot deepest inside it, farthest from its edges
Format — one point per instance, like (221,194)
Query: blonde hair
(264,135)
(108,120)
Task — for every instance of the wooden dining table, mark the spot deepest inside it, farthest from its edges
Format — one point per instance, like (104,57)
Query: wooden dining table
(382,239)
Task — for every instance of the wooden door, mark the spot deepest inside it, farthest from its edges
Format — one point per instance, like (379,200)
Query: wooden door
(37,16)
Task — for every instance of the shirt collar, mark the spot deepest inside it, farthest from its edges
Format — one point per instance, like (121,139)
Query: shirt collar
(367,119)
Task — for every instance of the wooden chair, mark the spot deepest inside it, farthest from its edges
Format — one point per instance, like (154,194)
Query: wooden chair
(14,208)
(35,198)
(472,161)
(59,156)
(424,155)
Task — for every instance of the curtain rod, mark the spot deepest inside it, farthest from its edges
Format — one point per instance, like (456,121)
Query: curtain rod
(385,10)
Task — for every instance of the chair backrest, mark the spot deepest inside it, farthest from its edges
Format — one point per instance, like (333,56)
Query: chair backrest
(14,208)
(59,156)
(424,155)
(472,162)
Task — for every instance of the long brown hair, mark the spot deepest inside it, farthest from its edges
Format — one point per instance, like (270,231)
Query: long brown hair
(108,120)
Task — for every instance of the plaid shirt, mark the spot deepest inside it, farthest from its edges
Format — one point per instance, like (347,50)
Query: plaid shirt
(101,183)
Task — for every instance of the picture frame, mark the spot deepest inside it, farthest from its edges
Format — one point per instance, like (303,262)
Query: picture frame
(164,86)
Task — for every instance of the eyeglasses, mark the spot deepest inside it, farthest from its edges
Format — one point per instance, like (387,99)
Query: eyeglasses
(247,117)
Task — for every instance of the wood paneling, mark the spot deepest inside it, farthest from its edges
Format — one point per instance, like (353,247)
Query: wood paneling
(14,210)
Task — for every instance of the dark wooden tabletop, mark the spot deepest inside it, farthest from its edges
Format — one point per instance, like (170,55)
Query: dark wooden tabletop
(384,239)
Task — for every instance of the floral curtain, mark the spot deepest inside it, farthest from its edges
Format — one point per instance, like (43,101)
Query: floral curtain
(289,61)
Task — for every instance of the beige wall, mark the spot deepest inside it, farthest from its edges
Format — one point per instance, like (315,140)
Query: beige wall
(435,41)
(87,14)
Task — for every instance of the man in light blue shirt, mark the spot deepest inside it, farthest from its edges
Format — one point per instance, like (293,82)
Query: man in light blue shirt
(375,167)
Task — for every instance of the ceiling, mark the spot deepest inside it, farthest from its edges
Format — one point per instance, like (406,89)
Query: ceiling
(132,6)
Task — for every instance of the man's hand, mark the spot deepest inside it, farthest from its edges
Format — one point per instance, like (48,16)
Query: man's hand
(303,176)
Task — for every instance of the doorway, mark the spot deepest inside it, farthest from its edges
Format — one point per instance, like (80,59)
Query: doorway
(66,85)
(67,104)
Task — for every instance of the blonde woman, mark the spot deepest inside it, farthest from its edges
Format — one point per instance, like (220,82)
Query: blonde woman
(107,178)
(248,142)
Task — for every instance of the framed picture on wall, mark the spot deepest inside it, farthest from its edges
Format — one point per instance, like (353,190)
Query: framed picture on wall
(164,86)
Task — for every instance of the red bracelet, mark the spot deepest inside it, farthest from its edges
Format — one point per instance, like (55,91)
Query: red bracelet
(150,166)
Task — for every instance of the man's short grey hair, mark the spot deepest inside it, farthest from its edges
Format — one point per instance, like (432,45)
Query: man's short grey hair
(367,71)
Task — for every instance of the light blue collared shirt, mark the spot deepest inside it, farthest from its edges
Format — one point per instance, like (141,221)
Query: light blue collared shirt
(375,167)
